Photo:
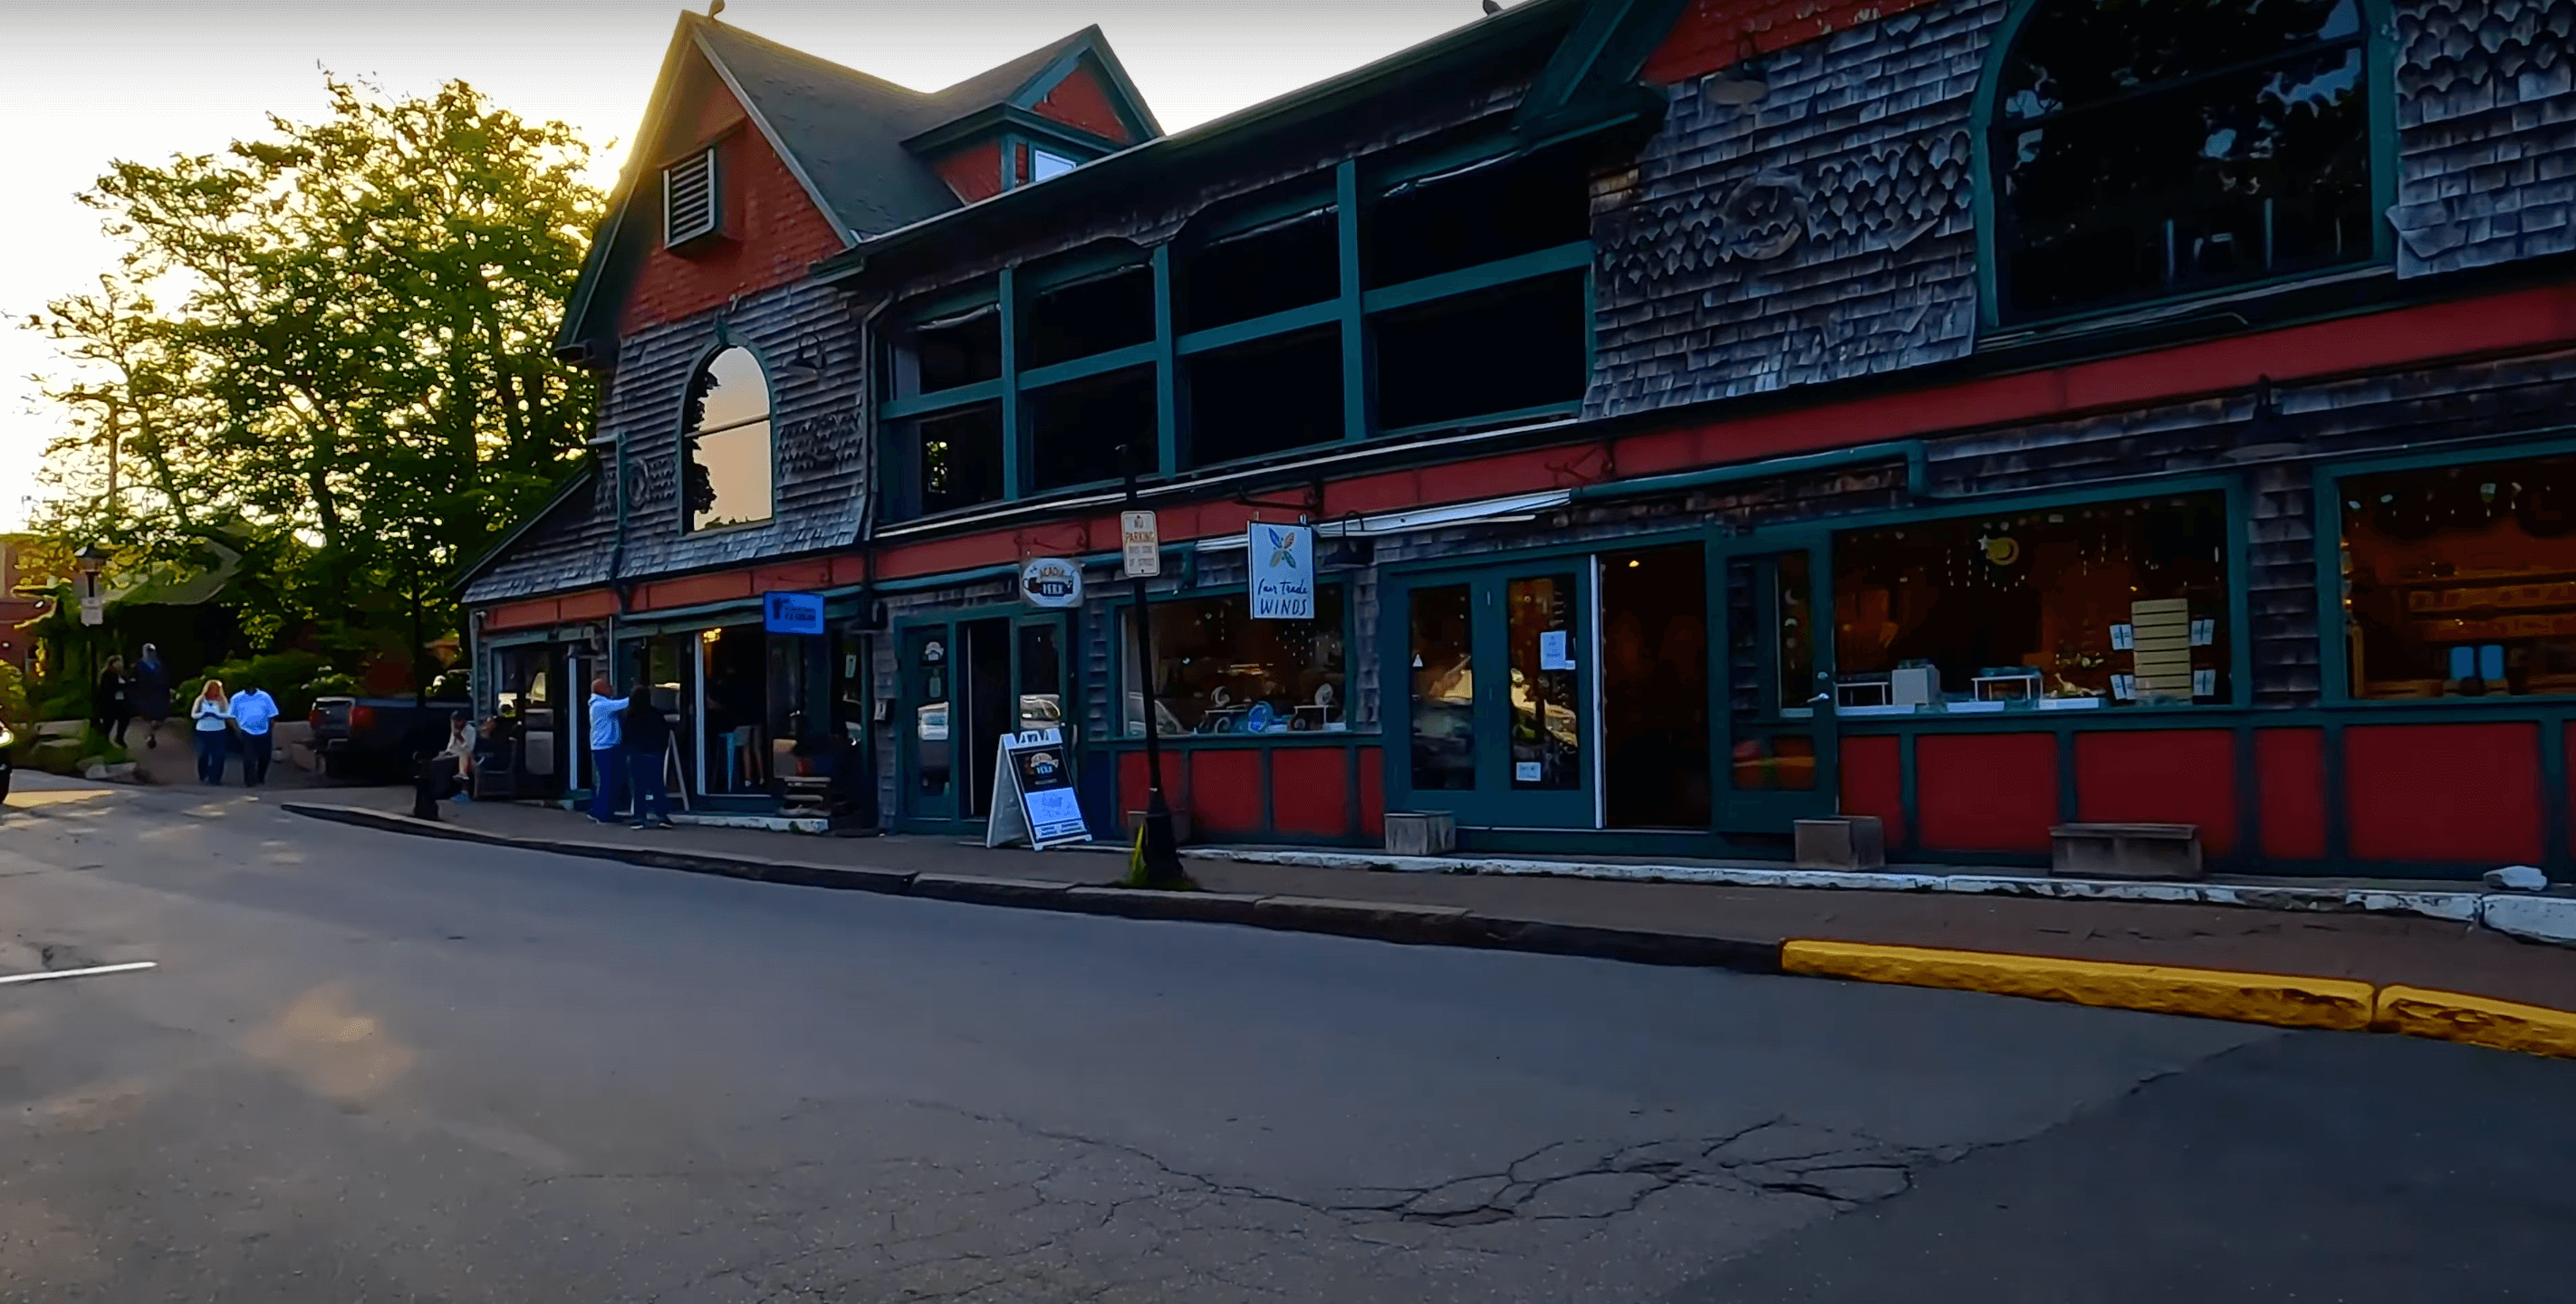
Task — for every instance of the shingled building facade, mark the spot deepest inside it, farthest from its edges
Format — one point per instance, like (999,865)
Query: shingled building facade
(1980,414)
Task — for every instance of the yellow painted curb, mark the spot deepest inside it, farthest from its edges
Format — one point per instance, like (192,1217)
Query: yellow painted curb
(2281,999)
(2478,1020)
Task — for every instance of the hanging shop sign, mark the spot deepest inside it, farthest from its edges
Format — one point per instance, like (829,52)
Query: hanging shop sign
(1051,582)
(792,613)
(1283,571)
(1033,796)
(1141,539)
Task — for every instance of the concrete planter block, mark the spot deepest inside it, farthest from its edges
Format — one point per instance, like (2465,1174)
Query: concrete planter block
(1421,833)
(1843,842)
(2156,851)
(1180,826)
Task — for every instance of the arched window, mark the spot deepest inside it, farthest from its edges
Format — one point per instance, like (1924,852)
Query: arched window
(2149,148)
(724,447)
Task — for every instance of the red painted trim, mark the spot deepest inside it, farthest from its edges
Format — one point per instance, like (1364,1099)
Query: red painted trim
(1874,783)
(2443,792)
(519,615)
(2290,770)
(1986,792)
(2160,776)
(2525,319)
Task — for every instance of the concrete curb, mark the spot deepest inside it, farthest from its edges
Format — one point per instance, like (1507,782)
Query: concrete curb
(2534,918)
(2282,1000)
(1372,920)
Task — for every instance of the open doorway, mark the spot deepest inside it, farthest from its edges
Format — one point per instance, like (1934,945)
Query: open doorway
(1654,688)
(987,685)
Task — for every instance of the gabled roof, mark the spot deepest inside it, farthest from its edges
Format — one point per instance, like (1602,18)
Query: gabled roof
(840,131)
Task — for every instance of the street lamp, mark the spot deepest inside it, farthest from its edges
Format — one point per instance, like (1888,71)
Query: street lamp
(90,561)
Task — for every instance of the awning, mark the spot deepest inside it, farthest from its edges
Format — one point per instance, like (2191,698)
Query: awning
(1489,511)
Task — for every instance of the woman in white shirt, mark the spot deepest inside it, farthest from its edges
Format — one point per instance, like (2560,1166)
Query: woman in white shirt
(213,713)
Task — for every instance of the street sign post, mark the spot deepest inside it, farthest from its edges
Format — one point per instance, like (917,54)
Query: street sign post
(1142,541)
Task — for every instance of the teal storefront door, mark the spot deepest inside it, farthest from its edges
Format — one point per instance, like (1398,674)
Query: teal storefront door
(1491,718)
(965,681)
(1777,752)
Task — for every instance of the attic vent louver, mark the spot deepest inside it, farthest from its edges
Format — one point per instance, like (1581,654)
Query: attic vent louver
(689,199)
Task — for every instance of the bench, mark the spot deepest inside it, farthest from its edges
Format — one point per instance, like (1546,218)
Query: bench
(2167,851)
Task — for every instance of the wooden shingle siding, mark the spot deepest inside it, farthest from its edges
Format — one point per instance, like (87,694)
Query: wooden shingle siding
(1823,233)
(2486,119)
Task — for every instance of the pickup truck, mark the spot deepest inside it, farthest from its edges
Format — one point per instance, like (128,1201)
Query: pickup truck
(377,737)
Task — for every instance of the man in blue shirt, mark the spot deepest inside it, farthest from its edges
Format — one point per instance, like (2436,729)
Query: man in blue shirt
(607,754)
(254,712)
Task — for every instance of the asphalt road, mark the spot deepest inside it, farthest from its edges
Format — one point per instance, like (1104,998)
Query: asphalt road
(372,1068)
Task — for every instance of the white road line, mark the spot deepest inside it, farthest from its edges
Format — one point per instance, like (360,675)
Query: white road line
(77,973)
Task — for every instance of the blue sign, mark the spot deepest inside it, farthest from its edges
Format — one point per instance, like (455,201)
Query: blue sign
(792,613)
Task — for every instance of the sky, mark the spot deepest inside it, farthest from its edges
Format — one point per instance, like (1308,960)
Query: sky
(83,82)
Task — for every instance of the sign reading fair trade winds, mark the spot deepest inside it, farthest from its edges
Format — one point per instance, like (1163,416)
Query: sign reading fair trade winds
(1283,571)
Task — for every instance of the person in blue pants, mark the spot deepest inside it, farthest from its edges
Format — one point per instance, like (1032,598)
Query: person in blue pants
(607,751)
(648,738)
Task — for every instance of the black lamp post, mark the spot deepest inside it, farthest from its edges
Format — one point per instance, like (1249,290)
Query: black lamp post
(89,561)
(1160,861)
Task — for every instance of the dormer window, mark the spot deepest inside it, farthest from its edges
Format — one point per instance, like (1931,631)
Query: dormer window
(1043,165)
(689,208)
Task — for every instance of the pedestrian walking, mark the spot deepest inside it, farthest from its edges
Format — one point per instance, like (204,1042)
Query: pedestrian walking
(108,706)
(647,738)
(213,713)
(148,693)
(607,752)
(254,715)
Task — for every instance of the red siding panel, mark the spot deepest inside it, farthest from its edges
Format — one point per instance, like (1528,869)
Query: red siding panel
(2160,776)
(1082,100)
(2290,767)
(1714,33)
(773,232)
(1132,787)
(1986,792)
(974,172)
(1372,763)
(1874,783)
(1310,791)
(1225,789)
(2456,792)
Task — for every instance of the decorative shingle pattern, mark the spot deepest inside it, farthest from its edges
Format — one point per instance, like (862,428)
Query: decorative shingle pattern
(2486,116)
(1821,233)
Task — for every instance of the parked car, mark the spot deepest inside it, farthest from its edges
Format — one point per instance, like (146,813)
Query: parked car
(8,744)
(377,737)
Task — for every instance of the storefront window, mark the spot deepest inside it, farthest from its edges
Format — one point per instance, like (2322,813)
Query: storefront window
(1547,723)
(1219,671)
(1444,690)
(2103,605)
(2460,581)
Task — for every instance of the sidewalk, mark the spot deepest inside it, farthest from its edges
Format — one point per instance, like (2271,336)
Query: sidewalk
(1692,923)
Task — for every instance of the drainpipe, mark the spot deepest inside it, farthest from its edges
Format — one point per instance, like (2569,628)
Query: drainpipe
(869,492)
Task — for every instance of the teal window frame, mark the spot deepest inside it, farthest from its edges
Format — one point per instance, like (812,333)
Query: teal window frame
(2379,75)
(2325,503)
(1346,190)
(1119,656)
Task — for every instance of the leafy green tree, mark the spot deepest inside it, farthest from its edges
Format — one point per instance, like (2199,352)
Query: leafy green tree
(328,347)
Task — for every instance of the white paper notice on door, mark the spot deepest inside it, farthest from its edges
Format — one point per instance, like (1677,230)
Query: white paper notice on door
(1554,650)
(1528,772)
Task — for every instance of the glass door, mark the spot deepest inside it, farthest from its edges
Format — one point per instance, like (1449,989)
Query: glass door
(1497,715)
(1778,738)
(963,683)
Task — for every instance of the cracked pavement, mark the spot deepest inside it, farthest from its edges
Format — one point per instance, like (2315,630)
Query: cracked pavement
(374,1068)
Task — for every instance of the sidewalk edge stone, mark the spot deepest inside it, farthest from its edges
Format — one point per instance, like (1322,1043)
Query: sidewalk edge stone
(2477,1020)
(2282,1000)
